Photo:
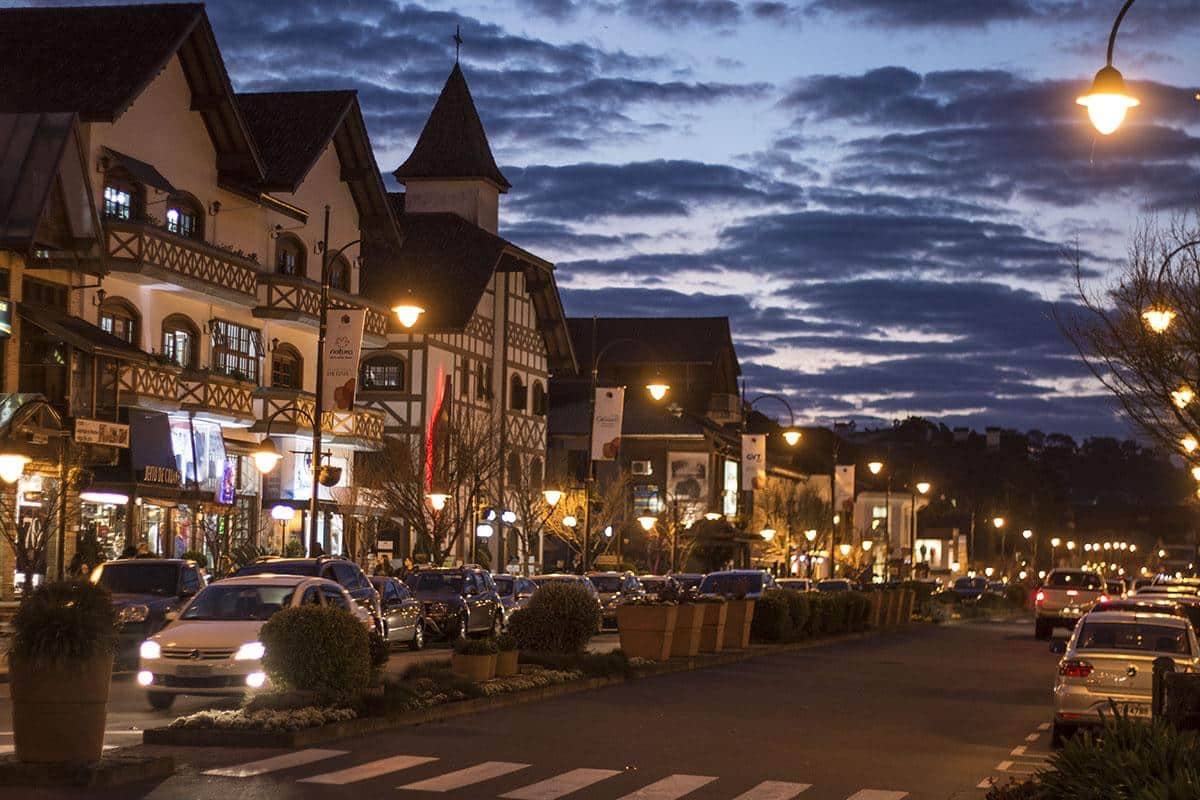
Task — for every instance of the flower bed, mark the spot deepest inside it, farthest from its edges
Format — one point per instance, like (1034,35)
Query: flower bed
(265,719)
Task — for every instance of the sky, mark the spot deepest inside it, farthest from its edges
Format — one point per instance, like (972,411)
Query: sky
(886,197)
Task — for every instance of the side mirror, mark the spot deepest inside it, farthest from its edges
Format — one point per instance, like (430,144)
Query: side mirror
(1058,646)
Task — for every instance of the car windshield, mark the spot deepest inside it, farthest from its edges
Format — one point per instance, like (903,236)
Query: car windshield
(437,582)
(1139,636)
(279,568)
(793,584)
(134,578)
(731,584)
(970,583)
(226,601)
(504,586)
(606,583)
(1074,580)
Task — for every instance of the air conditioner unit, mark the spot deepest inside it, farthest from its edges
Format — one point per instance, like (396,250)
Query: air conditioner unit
(642,468)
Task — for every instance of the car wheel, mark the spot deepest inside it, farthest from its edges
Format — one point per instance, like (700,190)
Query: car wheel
(160,701)
(418,639)
(1042,629)
(1059,734)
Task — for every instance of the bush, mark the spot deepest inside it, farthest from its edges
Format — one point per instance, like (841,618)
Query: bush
(594,665)
(195,555)
(772,620)
(506,643)
(380,651)
(64,623)
(799,608)
(475,647)
(294,548)
(560,618)
(318,649)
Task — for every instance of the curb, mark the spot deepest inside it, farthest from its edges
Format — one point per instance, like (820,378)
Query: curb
(112,770)
(307,737)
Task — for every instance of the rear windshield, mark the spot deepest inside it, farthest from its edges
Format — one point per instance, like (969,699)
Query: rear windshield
(731,584)
(652,585)
(279,568)
(437,582)
(1137,636)
(606,583)
(1074,580)
(504,586)
(833,586)
(970,583)
(134,578)
(239,602)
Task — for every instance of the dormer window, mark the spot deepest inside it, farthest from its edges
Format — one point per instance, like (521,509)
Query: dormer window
(184,218)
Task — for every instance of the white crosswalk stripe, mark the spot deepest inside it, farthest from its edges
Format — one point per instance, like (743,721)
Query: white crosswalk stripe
(670,788)
(877,794)
(372,769)
(559,785)
(774,790)
(275,764)
(466,777)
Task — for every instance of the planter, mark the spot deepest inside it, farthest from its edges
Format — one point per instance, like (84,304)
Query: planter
(906,607)
(58,713)
(737,624)
(647,631)
(506,663)
(688,624)
(712,631)
(876,607)
(473,668)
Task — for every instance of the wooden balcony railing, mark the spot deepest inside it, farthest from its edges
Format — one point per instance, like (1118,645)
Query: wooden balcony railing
(218,396)
(295,298)
(145,249)
(149,385)
(359,428)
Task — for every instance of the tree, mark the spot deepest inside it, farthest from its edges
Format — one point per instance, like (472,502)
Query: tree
(789,507)
(30,528)
(533,512)
(611,506)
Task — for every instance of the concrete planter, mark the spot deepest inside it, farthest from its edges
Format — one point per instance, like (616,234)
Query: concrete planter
(906,608)
(506,663)
(876,606)
(58,712)
(712,631)
(647,631)
(473,668)
(737,624)
(688,624)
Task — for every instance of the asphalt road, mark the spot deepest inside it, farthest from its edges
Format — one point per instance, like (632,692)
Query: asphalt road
(928,714)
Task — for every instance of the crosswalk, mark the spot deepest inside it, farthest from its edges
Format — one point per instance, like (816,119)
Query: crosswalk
(475,778)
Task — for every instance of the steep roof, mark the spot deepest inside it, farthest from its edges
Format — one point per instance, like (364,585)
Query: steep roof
(694,340)
(453,143)
(291,130)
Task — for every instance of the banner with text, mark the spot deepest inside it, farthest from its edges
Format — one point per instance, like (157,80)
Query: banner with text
(606,423)
(754,461)
(343,346)
(843,485)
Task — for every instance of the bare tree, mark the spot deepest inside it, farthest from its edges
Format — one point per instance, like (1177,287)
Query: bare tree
(30,529)
(611,506)
(789,507)
(533,512)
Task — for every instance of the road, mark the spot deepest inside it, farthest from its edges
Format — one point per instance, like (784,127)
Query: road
(928,714)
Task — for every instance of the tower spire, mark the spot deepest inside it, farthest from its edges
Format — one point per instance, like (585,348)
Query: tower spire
(458,42)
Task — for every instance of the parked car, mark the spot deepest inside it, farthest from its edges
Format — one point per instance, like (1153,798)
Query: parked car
(566,577)
(402,619)
(1109,659)
(689,582)
(615,588)
(968,588)
(1114,588)
(835,585)
(144,591)
(212,648)
(1153,605)
(795,584)
(1065,596)
(514,592)
(654,585)
(748,583)
(457,602)
(339,570)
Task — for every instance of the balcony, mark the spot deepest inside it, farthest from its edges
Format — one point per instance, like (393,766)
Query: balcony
(218,398)
(287,297)
(153,255)
(361,429)
(153,386)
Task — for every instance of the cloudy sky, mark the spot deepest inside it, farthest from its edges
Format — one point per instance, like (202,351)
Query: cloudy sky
(883,195)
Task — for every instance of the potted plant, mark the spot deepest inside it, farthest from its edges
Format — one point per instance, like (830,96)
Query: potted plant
(60,664)
(506,658)
(712,629)
(737,622)
(474,659)
(646,628)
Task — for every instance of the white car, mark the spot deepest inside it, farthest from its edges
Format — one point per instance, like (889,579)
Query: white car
(212,647)
(1110,660)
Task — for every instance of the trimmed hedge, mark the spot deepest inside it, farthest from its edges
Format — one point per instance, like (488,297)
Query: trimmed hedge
(781,615)
(64,623)
(560,618)
(319,649)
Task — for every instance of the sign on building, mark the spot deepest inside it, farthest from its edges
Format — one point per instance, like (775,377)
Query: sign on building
(94,431)
(606,423)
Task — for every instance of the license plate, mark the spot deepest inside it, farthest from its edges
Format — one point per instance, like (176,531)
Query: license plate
(194,671)
(1136,710)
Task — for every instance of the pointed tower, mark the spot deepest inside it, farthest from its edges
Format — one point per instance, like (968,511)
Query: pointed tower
(452,168)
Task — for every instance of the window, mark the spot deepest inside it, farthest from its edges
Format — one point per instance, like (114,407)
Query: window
(334,597)
(514,470)
(384,373)
(482,386)
(289,255)
(191,580)
(517,399)
(312,597)
(287,368)
(118,200)
(236,350)
(180,341)
(535,473)
(539,399)
(119,318)
(464,383)
(339,274)
(185,217)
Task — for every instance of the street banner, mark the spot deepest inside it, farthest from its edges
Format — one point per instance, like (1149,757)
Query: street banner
(94,431)
(343,346)
(843,486)
(606,423)
(754,461)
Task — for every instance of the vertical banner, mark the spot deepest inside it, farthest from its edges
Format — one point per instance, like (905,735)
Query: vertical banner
(843,487)
(754,461)
(343,346)
(606,423)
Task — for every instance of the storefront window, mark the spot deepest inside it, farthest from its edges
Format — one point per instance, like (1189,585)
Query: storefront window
(105,523)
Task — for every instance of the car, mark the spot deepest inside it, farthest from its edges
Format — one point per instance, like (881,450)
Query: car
(1063,598)
(654,585)
(566,577)
(689,582)
(458,601)
(514,591)
(1166,590)
(1153,605)
(212,647)
(1110,660)
(795,584)
(1114,588)
(339,570)
(968,588)
(144,591)
(736,583)
(402,620)
(615,588)
(835,585)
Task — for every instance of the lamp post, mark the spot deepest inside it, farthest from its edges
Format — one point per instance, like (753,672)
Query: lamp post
(1107,100)
(810,536)
(38,420)
(1054,543)
(875,467)
(922,488)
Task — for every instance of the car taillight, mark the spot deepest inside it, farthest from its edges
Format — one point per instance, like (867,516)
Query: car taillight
(1040,596)
(1074,668)
(1103,598)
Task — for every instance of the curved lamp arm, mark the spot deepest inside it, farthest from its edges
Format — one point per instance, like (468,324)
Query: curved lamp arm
(623,340)
(781,399)
(1112,37)
(1167,260)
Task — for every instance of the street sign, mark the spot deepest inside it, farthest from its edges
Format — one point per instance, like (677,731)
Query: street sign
(94,431)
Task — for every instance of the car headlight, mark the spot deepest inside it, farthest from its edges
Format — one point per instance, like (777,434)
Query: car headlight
(150,649)
(133,613)
(251,651)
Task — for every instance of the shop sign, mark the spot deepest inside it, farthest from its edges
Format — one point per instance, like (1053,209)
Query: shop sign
(94,431)
(167,476)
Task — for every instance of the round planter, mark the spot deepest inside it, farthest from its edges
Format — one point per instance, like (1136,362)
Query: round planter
(473,668)
(58,712)
(688,624)
(506,663)
(737,624)
(712,631)
(647,631)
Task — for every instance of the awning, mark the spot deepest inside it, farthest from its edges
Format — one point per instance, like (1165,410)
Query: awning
(141,171)
(81,334)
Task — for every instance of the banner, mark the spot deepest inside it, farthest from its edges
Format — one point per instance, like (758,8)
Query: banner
(754,461)
(606,423)
(343,346)
(843,486)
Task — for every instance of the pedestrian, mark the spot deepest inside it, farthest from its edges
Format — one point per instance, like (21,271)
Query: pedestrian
(77,566)
(383,565)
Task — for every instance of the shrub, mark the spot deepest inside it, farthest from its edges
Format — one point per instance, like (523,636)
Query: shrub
(475,647)
(294,548)
(594,665)
(772,620)
(506,643)
(560,618)
(799,609)
(64,623)
(195,555)
(319,649)
(1026,790)
(379,651)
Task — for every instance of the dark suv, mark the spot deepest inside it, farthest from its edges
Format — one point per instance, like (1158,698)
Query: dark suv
(338,570)
(458,602)
(144,591)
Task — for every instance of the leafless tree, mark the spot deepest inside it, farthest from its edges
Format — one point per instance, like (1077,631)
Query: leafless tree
(789,507)
(611,506)
(30,530)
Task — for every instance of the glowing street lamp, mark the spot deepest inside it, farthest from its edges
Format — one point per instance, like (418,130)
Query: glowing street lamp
(875,467)
(647,522)
(988,571)
(867,544)
(266,456)
(12,466)
(1158,319)
(923,487)
(1189,444)
(658,390)
(1055,542)
(407,310)
(792,437)
(569,521)
(437,500)
(844,549)
(811,535)
(998,522)
(1027,534)
(552,497)
(767,534)
(1108,99)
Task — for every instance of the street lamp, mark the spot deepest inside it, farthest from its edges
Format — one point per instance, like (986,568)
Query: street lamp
(569,521)
(1108,100)
(998,522)
(767,534)
(791,434)
(1054,543)
(12,466)
(647,522)
(1182,396)
(552,497)
(407,311)
(437,500)
(266,456)
(920,487)
(875,467)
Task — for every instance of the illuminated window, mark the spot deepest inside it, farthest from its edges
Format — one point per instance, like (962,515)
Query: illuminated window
(184,218)
(236,350)
(120,318)
(180,341)
(383,373)
(118,201)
